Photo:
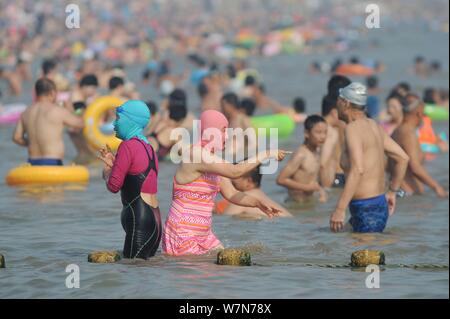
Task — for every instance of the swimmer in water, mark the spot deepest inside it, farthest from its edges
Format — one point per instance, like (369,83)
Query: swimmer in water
(195,186)
(366,145)
(41,126)
(405,135)
(134,171)
(301,173)
(250,183)
(394,112)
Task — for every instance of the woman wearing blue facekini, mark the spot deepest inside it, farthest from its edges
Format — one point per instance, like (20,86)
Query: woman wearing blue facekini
(134,171)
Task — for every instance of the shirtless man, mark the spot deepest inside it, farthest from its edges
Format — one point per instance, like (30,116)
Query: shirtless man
(366,145)
(41,126)
(331,172)
(238,119)
(405,136)
(210,91)
(300,175)
(250,183)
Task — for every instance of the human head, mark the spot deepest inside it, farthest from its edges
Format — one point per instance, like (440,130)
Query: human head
(351,99)
(229,103)
(117,84)
(299,105)
(49,68)
(46,88)
(429,95)
(249,181)
(403,88)
(413,109)
(337,82)
(394,104)
(248,106)
(177,105)
(131,119)
(354,60)
(315,130)
(213,126)
(89,85)
(329,108)
(372,82)
(152,107)
(250,80)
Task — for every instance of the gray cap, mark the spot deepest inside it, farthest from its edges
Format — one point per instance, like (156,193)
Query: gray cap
(355,93)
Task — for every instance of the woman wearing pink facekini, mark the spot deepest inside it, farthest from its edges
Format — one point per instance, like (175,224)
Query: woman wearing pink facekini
(195,186)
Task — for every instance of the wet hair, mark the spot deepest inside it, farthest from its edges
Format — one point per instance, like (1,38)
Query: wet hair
(312,121)
(428,96)
(404,85)
(337,82)
(44,87)
(372,82)
(88,80)
(354,60)
(248,105)
(177,105)
(255,176)
(202,89)
(115,82)
(232,99)
(299,105)
(395,95)
(249,80)
(328,104)
(47,66)
(152,107)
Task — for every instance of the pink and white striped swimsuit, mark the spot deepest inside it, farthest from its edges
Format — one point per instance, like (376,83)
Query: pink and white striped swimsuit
(188,226)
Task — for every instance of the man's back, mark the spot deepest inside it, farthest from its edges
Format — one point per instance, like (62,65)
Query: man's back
(367,140)
(43,123)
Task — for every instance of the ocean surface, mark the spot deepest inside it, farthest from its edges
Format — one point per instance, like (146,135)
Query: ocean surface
(43,230)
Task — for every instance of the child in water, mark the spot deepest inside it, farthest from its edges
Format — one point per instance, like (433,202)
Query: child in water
(300,175)
(250,183)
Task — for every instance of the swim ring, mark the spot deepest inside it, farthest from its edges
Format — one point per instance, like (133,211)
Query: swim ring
(354,69)
(436,113)
(28,174)
(10,114)
(284,123)
(92,132)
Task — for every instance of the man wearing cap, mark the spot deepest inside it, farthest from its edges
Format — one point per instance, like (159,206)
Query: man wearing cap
(366,145)
(405,136)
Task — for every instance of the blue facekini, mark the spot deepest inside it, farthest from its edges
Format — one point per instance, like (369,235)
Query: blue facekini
(133,117)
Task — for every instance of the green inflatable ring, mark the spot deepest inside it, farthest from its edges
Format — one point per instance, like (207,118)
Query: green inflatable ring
(436,113)
(284,123)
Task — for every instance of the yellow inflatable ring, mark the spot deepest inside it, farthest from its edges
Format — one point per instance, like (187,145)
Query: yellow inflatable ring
(94,136)
(44,175)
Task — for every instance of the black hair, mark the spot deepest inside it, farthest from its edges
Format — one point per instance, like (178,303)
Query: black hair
(44,87)
(202,89)
(354,60)
(372,82)
(177,105)
(146,74)
(328,104)
(232,99)
(404,85)
(79,105)
(335,65)
(312,120)
(231,71)
(249,80)
(255,175)
(299,105)
(419,59)
(115,82)
(435,65)
(89,79)
(152,106)
(337,82)
(48,65)
(248,105)
(428,96)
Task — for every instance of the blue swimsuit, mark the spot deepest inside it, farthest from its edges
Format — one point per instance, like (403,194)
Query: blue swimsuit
(369,215)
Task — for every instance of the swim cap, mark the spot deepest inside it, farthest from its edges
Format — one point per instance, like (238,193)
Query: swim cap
(355,93)
(133,117)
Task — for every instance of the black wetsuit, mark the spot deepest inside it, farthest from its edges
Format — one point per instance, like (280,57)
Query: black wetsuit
(141,222)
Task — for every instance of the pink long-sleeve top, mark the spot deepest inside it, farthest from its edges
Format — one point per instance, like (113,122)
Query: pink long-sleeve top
(131,158)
